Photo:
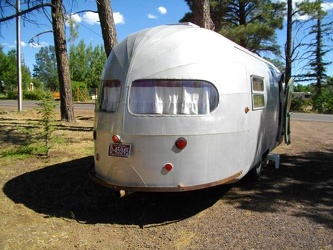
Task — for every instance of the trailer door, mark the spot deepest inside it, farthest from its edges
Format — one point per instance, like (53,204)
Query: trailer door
(287,113)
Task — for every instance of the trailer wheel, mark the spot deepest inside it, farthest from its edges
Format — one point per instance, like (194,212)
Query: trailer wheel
(254,173)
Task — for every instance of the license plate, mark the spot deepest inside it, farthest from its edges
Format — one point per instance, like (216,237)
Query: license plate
(120,150)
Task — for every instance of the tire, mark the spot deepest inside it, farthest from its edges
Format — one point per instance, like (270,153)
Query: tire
(254,173)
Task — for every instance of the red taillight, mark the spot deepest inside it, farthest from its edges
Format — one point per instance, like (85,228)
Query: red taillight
(116,139)
(168,167)
(181,143)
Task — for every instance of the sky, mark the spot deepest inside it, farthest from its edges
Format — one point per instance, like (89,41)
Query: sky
(130,16)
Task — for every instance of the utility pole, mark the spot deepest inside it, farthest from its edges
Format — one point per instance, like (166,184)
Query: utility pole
(18,51)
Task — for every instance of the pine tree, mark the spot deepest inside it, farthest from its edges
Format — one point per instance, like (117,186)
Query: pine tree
(316,49)
(45,68)
(251,24)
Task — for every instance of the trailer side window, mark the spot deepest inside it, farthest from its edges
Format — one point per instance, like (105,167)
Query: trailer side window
(258,92)
(109,95)
(172,97)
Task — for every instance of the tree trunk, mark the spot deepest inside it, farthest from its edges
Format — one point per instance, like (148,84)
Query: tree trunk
(288,49)
(107,25)
(66,98)
(243,41)
(319,68)
(201,13)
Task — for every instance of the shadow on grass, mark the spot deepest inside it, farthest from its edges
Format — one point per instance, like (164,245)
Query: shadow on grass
(64,190)
(302,186)
(18,132)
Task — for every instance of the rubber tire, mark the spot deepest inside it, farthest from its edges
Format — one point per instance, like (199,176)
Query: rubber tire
(254,173)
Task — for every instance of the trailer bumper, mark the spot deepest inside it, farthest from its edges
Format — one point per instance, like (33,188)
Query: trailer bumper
(179,188)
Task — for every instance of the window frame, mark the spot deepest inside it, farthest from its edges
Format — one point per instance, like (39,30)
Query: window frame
(258,91)
(175,83)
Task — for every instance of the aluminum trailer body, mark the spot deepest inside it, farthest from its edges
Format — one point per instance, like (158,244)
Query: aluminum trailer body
(182,108)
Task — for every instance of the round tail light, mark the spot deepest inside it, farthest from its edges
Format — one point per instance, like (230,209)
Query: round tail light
(168,167)
(181,143)
(116,139)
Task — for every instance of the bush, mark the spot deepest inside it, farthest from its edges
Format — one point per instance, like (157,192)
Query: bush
(323,102)
(27,95)
(12,95)
(37,94)
(297,104)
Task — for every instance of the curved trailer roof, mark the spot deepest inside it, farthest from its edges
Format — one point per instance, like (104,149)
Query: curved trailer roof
(182,50)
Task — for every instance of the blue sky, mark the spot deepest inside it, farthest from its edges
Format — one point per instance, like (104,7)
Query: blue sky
(130,16)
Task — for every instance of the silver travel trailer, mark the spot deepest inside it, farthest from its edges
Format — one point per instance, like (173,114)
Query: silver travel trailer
(182,108)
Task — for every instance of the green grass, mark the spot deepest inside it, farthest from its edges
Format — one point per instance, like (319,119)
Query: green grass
(23,152)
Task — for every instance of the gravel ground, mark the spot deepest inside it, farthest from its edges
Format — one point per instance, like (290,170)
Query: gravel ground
(53,205)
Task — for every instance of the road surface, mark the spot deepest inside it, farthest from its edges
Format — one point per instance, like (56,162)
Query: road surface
(32,104)
(91,106)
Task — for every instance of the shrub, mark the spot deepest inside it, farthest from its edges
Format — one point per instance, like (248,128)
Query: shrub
(46,109)
(33,95)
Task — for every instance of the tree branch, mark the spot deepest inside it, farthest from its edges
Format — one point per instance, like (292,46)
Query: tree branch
(26,11)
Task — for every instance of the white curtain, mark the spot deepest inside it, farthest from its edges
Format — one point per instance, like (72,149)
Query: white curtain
(111,94)
(172,97)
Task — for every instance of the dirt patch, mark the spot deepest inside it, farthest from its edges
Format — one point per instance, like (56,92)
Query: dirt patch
(51,203)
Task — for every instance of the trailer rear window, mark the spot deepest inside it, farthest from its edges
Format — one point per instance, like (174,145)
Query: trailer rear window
(172,97)
(108,99)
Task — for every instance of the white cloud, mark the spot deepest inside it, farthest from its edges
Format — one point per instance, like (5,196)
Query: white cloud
(327,6)
(23,44)
(151,16)
(90,18)
(302,17)
(38,45)
(162,10)
(76,18)
(118,18)
(93,18)
(44,44)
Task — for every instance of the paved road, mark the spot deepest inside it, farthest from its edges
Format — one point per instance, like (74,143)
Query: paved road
(32,104)
(311,117)
(91,106)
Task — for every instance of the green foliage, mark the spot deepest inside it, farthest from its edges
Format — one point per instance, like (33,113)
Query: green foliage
(36,94)
(78,85)
(8,72)
(45,69)
(46,109)
(80,91)
(251,24)
(86,63)
(20,152)
(298,104)
(323,101)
